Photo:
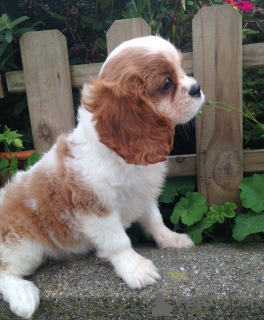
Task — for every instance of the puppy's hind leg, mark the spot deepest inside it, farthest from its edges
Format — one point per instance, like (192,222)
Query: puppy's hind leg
(15,262)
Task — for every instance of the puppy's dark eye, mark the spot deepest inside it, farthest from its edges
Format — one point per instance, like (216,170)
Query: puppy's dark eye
(167,86)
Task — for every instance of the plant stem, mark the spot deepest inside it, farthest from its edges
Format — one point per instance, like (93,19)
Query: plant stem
(214,105)
(6,146)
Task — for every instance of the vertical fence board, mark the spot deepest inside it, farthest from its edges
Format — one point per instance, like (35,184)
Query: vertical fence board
(217,40)
(123,30)
(48,86)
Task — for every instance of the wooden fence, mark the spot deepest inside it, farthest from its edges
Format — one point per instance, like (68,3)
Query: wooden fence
(216,62)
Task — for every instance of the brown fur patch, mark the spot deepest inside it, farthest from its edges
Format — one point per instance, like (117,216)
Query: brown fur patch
(122,101)
(52,193)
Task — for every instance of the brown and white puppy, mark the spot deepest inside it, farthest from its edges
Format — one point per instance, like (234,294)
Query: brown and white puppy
(103,176)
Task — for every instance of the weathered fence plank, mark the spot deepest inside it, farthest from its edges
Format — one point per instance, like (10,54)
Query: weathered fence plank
(253,58)
(123,30)
(186,165)
(48,86)
(217,39)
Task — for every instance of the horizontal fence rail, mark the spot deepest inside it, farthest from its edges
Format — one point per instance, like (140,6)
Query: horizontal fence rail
(252,58)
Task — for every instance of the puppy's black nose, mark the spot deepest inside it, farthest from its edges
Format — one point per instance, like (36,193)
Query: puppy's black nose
(195,91)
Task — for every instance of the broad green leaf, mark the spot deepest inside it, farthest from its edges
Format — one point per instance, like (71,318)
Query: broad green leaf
(219,213)
(14,163)
(252,194)
(185,184)
(195,231)
(86,21)
(2,137)
(257,131)
(23,30)
(169,191)
(4,163)
(32,159)
(20,106)
(190,209)
(7,21)
(8,36)
(19,20)
(247,224)
(176,185)
(3,46)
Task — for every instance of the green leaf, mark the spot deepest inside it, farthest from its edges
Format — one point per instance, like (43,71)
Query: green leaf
(20,106)
(219,213)
(32,159)
(195,231)
(176,185)
(53,14)
(8,36)
(3,46)
(185,184)
(19,20)
(247,224)
(260,24)
(252,194)
(7,21)
(104,4)
(86,21)
(4,163)
(2,137)
(257,131)
(190,209)
(13,165)
(23,30)
(169,191)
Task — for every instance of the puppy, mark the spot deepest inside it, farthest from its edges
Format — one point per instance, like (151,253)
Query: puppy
(103,176)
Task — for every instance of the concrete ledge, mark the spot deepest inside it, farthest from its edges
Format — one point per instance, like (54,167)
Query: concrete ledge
(210,281)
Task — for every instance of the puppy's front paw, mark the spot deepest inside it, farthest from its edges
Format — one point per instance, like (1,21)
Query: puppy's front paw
(175,240)
(136,271)
(23,298)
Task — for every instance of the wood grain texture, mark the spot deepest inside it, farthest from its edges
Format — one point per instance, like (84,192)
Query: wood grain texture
(84,73)
(253,58)
(185,165)
(219,133)
(180,166)
(253,160)
(123,30)
(15,81)
(48,86)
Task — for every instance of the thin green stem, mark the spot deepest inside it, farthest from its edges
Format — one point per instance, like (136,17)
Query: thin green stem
(7,148)
(250,116)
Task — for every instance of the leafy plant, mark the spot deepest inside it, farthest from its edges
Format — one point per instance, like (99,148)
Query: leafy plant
(8,30)
(9,137)
(218,223)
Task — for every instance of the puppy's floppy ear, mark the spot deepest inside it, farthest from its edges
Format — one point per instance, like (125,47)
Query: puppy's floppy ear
(127,122)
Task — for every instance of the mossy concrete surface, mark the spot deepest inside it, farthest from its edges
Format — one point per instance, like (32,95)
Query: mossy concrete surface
(209,281)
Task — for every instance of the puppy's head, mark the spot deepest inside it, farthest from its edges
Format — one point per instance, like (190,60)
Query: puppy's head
(141,93)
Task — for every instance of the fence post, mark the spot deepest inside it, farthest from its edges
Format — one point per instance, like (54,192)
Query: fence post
(122,30)
(48,86)
(217,49)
